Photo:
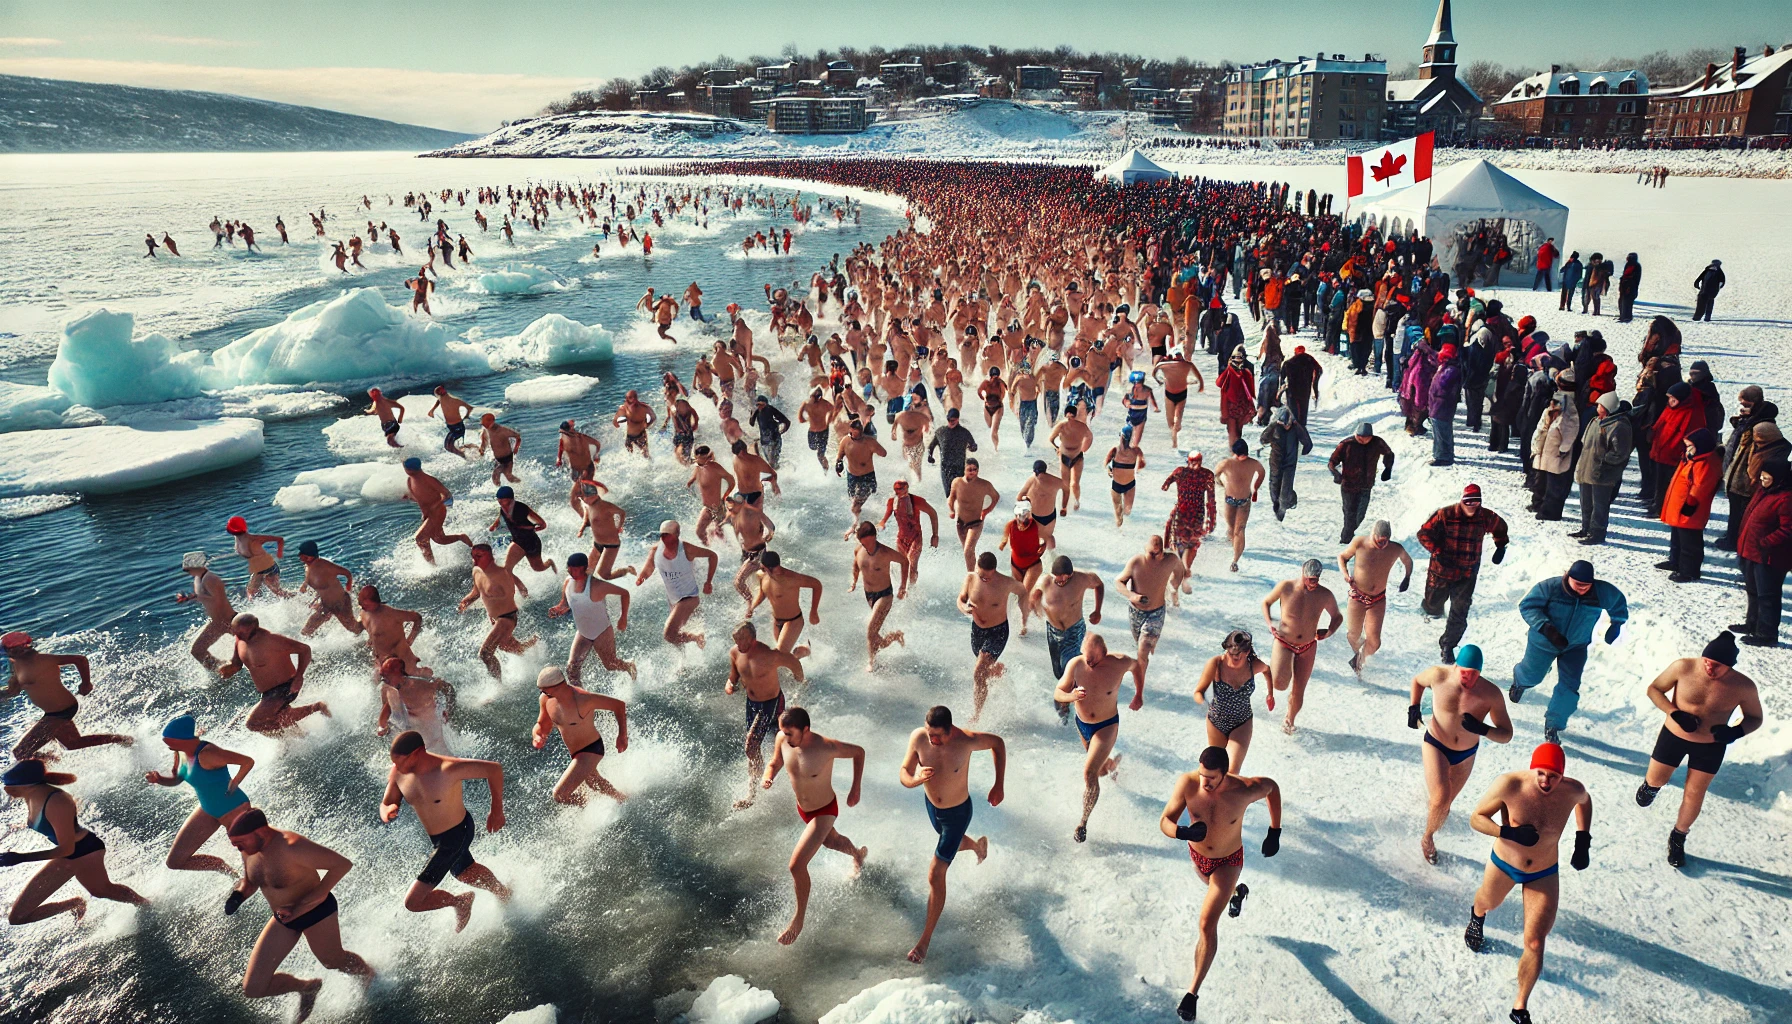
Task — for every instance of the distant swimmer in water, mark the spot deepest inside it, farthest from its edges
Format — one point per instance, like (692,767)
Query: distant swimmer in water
(496,587)
(39,677)
(277,668)
(573,713)
(390,413)
(432,785)
(811,757)
(432,498)
(264,569)
(424,704)
(939,761)
(321,576)
(216,775)
(420,287)
(76,852)
(454,414)
(298,877)
(390,631)
(208,590)
(338,255)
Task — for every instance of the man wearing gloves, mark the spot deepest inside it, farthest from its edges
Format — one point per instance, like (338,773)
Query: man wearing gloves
(1698,695)
(1353,465)
(1562,613)
(1454,535)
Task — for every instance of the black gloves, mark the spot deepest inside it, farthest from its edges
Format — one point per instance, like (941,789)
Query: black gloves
(1499,554)
(1523,835)
(1475,725)
(1388,473)
(1272,842)
(1611,634)
(1726,734)
(1685,720)
(1405,583)
(234,900)
(1552,634)
(1689,510)
(1412,716)
(1583,845)
(1337,477)
(1192,833)
(10,857)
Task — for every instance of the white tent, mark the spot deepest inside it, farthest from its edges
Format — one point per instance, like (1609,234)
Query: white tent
(1464,197)
(1133,168)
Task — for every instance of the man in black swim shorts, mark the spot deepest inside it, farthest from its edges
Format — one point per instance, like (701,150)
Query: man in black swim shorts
(431,784)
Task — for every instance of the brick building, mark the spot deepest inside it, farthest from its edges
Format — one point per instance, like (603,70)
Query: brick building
(1748,98)
(1561,104)
(1321,98)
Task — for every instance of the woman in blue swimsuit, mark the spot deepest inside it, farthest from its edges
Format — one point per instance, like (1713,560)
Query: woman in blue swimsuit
(207,768)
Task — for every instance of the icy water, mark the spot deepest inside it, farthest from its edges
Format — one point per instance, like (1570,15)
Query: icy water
(619,910)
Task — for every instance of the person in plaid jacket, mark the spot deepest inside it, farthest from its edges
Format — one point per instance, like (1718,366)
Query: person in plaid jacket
(1454,536)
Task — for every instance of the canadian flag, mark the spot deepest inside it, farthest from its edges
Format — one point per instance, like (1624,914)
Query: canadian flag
(1393,166)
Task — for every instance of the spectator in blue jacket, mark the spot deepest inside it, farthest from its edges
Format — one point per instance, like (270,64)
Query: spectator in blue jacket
(1562,613)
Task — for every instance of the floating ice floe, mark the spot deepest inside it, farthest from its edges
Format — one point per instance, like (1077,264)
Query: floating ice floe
(907,1001)
(355,336)
(552,340)
(34,407)
(549,390)
(356,481)
(114,459)
(99,363)
(419,434)
(730,1000)
(546,1013)
(35,505)
(518,278)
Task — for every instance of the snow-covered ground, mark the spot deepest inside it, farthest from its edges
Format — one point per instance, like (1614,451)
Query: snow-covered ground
(1347,924)
(1005,129)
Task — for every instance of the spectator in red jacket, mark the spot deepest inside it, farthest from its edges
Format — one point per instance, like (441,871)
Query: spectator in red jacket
(1681,416)
(1546,261)
(1686,507)
(1765,545)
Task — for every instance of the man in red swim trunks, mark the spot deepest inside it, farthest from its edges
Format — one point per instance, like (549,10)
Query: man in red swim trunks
(1215,801)
(811,757)
(1298,634)
(1026,551)
(907,510)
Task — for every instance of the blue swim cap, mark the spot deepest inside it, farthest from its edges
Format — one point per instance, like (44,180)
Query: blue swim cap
(29,772)
(182,728)
(413,463)
(505,492)
(1138,376)
(1469,657)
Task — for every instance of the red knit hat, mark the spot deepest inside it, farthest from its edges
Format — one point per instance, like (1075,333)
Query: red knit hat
(1550,757)
(1471,492)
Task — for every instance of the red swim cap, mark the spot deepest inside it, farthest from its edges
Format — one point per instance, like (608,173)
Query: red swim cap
(236,524)
(15,639)
(392,666)
(1549,757)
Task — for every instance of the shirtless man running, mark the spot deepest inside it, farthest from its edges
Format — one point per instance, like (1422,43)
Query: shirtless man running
(454,414)
(817,413)
(573,712)
(672,558)
(432,785)
(432,498)
(1058,596)
(1174,371)
(1073,439)
(1526,852)
(871,562)
(1143,584)
(504,443)
(753,666)
(857,460)
(579,451)
(782,589)
(911,428)
(1297,635)
(811,757)
(636,416)
(1464,707)
(331,583)
(1239,477)
(984,598)
(277,668)
(390,631)
(1698,695)
(1092,683)
(1041,491)
(390,413)
(414,701)
(39,677)
(605,520)
(1215,801)
(939,760)
(297,876)
(209,591)
(496,588)
(1366,564)
(968,502)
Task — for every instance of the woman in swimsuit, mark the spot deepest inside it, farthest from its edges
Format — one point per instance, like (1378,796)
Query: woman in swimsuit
(1226,685)
(77,853)
(1123,463)
(209,770)
(264,569)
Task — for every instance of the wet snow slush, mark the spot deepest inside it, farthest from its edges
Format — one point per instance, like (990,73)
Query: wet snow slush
(671,904)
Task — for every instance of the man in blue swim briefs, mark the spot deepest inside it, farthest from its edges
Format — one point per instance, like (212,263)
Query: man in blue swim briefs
(939,760)
(1536,805)
(1092,682)
(1464,707)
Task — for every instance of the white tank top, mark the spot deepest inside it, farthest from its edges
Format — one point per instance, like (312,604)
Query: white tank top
(677,573)
(592,617)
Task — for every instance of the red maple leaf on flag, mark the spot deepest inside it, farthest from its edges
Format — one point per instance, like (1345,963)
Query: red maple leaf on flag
(1389,166)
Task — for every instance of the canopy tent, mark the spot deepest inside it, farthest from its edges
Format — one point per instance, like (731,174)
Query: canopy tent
(1464,198)
(1133,168)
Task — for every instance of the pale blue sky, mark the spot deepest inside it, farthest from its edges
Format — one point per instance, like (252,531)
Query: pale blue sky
(469,63)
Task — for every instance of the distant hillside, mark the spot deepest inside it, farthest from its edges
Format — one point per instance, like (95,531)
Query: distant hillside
(47,115)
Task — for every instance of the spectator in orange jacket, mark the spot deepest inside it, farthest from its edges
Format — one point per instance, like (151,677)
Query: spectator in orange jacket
(1686,506)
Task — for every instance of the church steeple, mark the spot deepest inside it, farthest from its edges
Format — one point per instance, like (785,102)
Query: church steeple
(1440,47)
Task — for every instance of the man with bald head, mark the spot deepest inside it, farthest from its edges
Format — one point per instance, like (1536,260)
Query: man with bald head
(1297,634)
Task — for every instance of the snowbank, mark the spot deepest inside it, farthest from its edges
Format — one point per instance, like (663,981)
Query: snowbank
(355,336)
(114,459)
(314,489)
(30,407)
(552,340)
(730,1000)
(546,1013)
(550,390)
(518,278)
(904,1001)
(100,363)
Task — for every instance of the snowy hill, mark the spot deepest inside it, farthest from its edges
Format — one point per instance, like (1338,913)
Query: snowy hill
(46,115)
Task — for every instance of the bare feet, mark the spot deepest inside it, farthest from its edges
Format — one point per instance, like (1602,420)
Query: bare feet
(981,848)
(308,999)
(1288,726)
(744,802)
(463,911)
(79,909)
(918,954)
(790,933)
(858,860)
(1428,847)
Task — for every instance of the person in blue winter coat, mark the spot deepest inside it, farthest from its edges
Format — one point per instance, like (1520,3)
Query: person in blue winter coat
(1562,613)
